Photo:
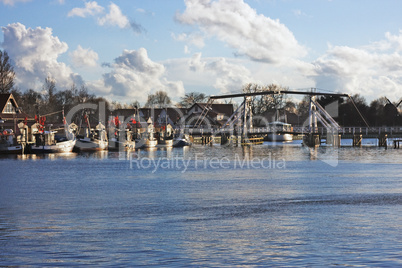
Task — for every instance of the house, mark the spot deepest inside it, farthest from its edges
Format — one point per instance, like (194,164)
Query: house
(217,115)
(10,113)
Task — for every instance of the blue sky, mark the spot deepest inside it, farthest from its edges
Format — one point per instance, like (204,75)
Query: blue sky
(125,50)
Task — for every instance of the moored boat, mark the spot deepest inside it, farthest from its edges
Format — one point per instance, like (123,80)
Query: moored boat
(147,139)
(281,132)
(7,144)
(47,142)
(94,139)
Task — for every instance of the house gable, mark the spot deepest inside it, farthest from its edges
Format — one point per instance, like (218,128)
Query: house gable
(7,104)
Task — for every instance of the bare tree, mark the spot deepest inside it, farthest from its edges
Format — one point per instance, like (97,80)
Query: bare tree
(158,100)
(190,98)
(7,73)
(263,103)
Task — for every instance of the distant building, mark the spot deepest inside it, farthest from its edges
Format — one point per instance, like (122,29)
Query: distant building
(10,113)
(216,116)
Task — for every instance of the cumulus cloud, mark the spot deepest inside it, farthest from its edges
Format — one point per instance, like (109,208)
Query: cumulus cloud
(134,75)
(234,22)
(90,9)
(114,17)
(371,70)
(35,53)
(210,75)
(84,57)
(229,77)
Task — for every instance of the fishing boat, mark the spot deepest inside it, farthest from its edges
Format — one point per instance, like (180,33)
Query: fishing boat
(94,139)
(147,139)
(281,132)
(165,137)
(120,139)
(7,144)
(48,142)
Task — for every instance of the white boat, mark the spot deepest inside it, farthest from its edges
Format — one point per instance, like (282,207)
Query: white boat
(7,144)
(94,140)
(281,131)
(88,144)
(46,142)
(147,139)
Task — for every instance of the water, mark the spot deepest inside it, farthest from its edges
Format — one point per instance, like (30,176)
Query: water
(269,205)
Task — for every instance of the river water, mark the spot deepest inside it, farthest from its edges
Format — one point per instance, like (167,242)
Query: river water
(261,206)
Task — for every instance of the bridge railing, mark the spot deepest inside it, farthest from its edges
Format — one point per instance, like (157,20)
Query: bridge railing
(296,130)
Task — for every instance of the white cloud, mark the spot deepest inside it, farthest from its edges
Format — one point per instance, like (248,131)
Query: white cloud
(90,9)
(84,57)
(134,76)
(13,2)
(229,77)
(195,39)
(115,17)
(34,53)
(371,71)
(237,24)
(210,75)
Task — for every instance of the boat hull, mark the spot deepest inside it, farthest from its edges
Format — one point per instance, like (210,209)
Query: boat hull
(145,144)
(280,137)
(165,143)
(59,147)
(181,143)
(87,146)
(16,149)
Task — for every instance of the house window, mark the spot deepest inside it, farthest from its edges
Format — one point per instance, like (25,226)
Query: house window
(196,108)
(9,108)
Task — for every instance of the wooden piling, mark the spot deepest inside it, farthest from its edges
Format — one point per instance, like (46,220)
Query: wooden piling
(357,140)
(397,143)
(334,139)
(382,140)
(312,140)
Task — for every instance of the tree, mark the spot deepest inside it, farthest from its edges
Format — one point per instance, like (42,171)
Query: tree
(190,98)
(158,100)
(7,73)
(262,103)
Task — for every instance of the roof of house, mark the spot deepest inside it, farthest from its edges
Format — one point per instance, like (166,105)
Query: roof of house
(217,108)
(4,98)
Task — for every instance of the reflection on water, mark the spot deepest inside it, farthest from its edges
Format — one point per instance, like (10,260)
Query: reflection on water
(93,209)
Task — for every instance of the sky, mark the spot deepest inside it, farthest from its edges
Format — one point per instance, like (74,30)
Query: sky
(125,50)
